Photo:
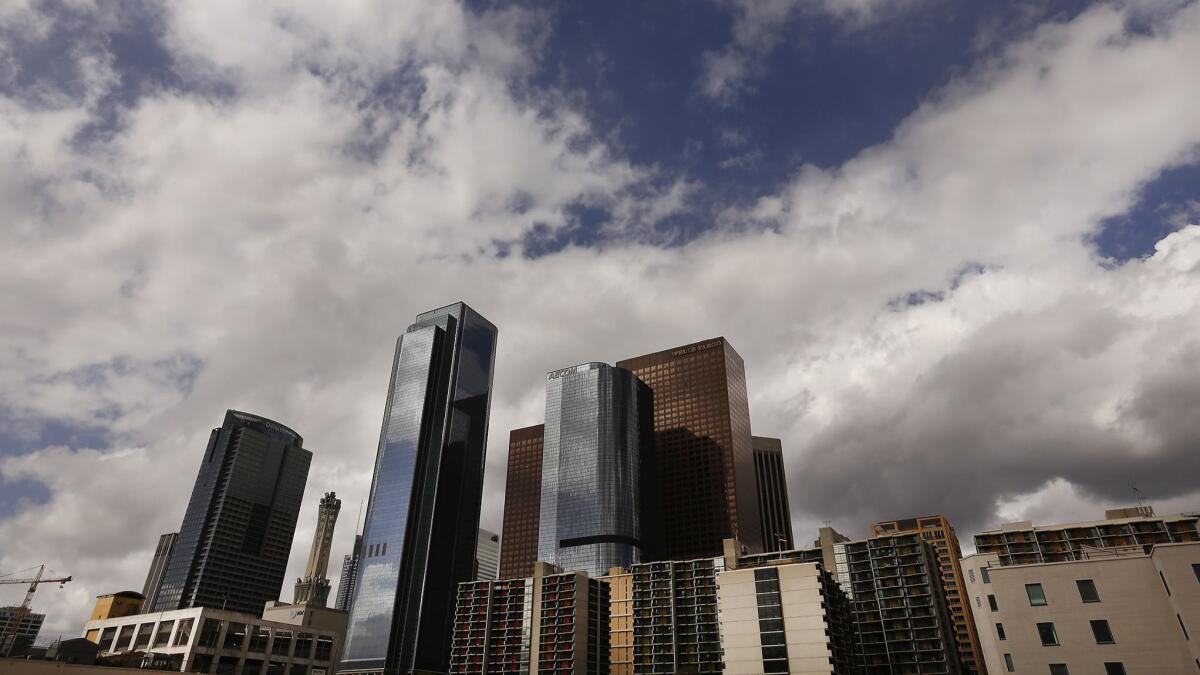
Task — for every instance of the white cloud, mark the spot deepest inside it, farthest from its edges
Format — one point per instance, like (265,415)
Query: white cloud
(279,235)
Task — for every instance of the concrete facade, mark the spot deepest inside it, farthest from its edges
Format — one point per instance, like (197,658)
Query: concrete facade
(1150,603)
(810,636)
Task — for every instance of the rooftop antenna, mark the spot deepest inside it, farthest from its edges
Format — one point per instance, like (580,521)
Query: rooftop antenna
(1140,496)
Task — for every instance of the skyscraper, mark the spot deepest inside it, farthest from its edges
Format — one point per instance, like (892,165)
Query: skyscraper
(346,579)
(233,546)
(597,453)
(522,502)
(702,447)
(313,587)
(487,556)
(773,507)
(423,511)
(158,566)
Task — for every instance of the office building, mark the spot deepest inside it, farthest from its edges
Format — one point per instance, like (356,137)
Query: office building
(1021,542)
(28,628)
(233,547)
(206,640)
(1109,611)
(158,567)
(784,618)
(901,620)
(553,622)
(522,502)
(937,531)
(703,448)
(487,556)
(116,605)
(596,469)
(422,517)
(774,510)
(832,545)
(313,587)
(346,579)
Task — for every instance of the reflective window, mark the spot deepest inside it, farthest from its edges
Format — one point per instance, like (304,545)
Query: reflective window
(124,638)
(107,637)
(1037,597)
(1008,663)
(1102,632)
(1000,632)
(145,631)
(992,603)
(1087,590)
(1047,634)
(163,635)
(184,634)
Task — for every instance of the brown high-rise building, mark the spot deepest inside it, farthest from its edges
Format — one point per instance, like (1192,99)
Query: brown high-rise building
(937,531)
(522,503)
(773,507)
(703,448)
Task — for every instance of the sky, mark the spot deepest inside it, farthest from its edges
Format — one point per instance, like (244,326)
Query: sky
(957,244)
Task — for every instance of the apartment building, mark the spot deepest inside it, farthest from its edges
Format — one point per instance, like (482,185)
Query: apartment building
(1113,611)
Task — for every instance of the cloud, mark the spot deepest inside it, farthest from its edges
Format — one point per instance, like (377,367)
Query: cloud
(255,236)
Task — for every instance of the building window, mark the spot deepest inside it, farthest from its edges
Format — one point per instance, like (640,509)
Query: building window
(1102,632)
(124,638)
(1048,635)
(208,633)
(1000,632)
(1196,571)
(162,636)
(1008,663)
(985,575)
(145,631)
(260,636)
(106,639)
(184,634)
(977,603)
(971,575)
(1182,627)
(1059,669)
(1114,668)
(1037,597)
(1087,590)
(235,635)
(992,603)
(1164,580)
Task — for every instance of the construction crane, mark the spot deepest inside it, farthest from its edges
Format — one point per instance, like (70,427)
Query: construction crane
(23,610)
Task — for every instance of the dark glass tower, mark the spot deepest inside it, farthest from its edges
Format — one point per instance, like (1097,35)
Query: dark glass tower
(599,440)
(773,506)
(232,549)
(423,512)
(522,502)
(702,448)
(158,566)
(348,576)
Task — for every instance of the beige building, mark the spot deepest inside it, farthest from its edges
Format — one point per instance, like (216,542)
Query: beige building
(786,618)
(620,620)
(1108,611)
(114,605)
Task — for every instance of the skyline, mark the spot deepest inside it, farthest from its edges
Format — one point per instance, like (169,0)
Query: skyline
(952,260)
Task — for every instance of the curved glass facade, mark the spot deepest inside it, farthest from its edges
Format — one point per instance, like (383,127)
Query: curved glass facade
(423,512)
(595,468)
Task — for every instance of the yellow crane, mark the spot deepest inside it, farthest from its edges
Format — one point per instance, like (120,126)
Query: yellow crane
(23,610)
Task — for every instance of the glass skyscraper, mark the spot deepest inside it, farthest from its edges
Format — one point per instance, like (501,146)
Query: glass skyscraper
(596,461)
(423,511)
(232,549)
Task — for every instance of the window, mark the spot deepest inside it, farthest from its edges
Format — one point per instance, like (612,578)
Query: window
(987,577)
(163,636)
(1059,669)
(971,574)
(977,603)
(304,644)
(1037,597)
(992,603)
(208,634)
(1087,590)
(1114,668)
(145,631)
(1196,570)
(184,634)
(1102,632)
(1000,632)
(106,639)
(1008,663)
(1182,627)
(1164,580)
(1048,635)
(124,638)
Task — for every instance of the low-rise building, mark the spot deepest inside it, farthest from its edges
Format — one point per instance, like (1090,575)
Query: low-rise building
(1110,611)
(206,640)
(114,605)
(551,623)
(18,628)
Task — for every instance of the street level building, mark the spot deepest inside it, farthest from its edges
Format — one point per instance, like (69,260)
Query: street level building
(703,448)
(346,579)
(597,478)
(158,567)
(937,531)
(784,618)
(487,556)
(550,623)
(522,502)
(233,545)
(1022,543)
(206,640)
(115,605)
(900,614)
(313,587)
(1109,611)
(774,509)
(422,519)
